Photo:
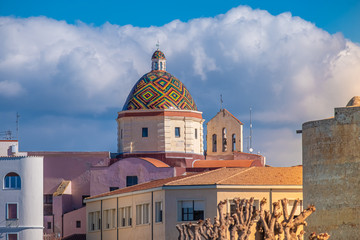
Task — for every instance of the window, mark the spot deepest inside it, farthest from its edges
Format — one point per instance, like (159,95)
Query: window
(158,212)
(224,140)
(78,224)
(94,221)
(131,180)
(12,236)
(298,210)
(11,211)
(214,143)
(161,66)
(233,142)
(145,132)
(110,218)
(113,188)
(83,198)
(177,132)
(142,214)
(12,181)
(256,206)
(195,133)
(191,210)
(125,217)
(121,133)
(48,199)
(48,225)
(48,207)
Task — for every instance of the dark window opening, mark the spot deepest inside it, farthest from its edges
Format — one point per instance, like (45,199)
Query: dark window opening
(196,133)
(113,188)
(48,225)
(131,180)
(224,140)
(12,211)
(83,198)
(192,210)
(12,236)
(145,132)
(233,142)
(177,132)
(78,224)
(214,147)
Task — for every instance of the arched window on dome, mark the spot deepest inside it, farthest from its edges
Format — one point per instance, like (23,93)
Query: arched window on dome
(233,140)
(214,143)
(161,66)
(156,66)
(12,181)
(224,140)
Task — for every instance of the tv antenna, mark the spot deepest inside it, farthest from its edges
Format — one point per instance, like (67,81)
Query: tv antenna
(17,125)
(250,136)
(221,102)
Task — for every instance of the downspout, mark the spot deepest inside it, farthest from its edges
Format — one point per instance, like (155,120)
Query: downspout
(62,225)
(152,215)
(270,197)
(117,218)
(101,218)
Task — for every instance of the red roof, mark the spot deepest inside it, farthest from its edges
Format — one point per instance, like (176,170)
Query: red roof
(155,162)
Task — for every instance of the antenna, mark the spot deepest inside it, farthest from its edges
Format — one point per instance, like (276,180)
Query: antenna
(17,125)
(221,102)
(250,137)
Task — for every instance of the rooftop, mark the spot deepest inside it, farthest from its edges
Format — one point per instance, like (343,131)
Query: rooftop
(254,176)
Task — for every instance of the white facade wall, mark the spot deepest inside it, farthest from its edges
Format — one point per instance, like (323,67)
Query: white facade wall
(161,133)
(29,198)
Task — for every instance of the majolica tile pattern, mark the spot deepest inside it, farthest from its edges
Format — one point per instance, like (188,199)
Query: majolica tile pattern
(159,90)
(158,55)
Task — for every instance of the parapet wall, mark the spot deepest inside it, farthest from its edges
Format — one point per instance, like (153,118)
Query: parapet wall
(331,161)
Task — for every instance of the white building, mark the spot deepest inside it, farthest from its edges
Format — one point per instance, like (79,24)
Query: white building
(21,194)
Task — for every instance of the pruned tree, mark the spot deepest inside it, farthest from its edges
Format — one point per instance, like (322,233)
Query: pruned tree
(291,223)
(239,224)
(268,224)
(244,217)
(321,236)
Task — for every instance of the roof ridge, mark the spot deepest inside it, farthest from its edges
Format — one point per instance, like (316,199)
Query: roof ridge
(194,175)
(232,115)
(235,174)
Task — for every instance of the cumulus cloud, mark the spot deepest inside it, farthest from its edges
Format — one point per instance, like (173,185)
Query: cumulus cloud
(289,70)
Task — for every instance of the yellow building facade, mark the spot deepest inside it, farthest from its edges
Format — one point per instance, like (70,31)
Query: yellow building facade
(152,210)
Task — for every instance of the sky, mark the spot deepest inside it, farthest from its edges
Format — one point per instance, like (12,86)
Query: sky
(67,66)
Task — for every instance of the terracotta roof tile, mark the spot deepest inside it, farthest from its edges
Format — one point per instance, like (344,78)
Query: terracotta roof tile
(141,186)
(157,163)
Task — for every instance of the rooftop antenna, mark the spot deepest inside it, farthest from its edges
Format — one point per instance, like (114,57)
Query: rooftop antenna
(17,125)
(250,137)
(221,102)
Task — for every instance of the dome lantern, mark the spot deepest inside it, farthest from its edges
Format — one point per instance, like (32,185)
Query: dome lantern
(158,61)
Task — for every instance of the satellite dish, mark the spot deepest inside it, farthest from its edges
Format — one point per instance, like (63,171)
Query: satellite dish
(251,150)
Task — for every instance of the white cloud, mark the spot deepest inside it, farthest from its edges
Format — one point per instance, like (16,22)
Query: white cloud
(289,70)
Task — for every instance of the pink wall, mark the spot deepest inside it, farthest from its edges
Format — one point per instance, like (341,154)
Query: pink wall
(115,175)
(70,222)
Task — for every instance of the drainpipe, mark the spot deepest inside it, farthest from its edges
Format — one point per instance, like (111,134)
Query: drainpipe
(270,197)
(101,218)
(62,225)
(152,215)
(117,218)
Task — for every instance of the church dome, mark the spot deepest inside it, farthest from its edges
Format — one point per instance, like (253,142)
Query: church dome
(158,55)
(159,90)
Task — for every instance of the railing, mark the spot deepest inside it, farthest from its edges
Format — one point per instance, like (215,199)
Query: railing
(51,236)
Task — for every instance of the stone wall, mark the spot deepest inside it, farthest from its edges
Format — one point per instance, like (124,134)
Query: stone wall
(331,160)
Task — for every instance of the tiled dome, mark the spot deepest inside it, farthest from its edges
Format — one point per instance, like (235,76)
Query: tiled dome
(159,90)
(158,55)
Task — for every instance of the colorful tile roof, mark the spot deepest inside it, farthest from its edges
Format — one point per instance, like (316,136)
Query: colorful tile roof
(159,90)
(158,55)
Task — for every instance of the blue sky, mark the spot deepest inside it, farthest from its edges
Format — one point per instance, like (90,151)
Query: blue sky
(331,15)
(68,79)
